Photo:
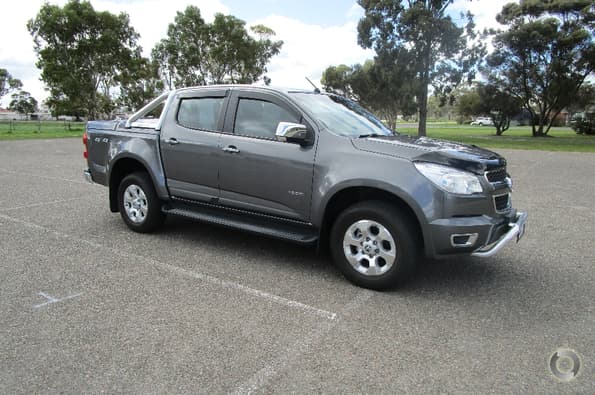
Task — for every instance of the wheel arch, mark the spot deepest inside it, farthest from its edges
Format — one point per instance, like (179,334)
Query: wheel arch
(348,196)
(121,168)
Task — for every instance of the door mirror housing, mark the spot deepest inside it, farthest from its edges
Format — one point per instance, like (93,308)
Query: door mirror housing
(293,133)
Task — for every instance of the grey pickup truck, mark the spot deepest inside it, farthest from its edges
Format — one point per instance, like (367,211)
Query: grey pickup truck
(307,167)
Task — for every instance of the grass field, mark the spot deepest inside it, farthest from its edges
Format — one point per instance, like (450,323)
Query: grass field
(20,130)
(562,139)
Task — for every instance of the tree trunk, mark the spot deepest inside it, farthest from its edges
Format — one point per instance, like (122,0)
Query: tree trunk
(392,122)
(532,114)
(423,94)
(498,123)
(539,131)
(552,120)
(502,125)
(423,112)
(506,124)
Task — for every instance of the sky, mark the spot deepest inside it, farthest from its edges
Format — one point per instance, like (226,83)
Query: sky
(316,33)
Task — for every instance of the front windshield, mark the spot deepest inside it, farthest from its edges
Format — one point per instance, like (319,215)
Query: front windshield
(340,115)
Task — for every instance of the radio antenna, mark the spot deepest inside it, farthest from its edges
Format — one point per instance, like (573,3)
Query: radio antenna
(316,90)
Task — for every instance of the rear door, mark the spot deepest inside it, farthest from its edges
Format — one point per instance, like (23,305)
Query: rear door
(190,143)
(258,172)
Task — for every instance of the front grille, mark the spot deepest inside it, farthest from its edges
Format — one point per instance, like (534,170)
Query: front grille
(502,202)
(496,175)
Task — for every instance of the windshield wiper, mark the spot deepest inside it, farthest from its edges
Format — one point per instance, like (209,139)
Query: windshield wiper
(363,136)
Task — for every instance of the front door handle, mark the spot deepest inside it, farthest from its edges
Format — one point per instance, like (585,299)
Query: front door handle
(172,141)
(232,149)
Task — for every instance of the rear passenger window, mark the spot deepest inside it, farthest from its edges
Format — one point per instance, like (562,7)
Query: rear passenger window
(259,118)
(200,113)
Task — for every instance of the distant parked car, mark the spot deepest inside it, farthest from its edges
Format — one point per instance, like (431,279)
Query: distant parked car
(481,121)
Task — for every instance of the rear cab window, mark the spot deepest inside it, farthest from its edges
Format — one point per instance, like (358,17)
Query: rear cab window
(202,113)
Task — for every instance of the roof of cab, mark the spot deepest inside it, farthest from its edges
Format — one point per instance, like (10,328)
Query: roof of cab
(247,87)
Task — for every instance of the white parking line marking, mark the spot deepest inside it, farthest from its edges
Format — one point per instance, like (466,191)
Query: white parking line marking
(243,288)
(300,347)
(41,204)
(178,270)
(51,299)
(25,223)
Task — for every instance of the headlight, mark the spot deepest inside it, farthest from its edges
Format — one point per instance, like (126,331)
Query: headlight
(450,179)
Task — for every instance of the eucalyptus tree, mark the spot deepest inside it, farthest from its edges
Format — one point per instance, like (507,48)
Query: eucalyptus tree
(8,83)
(425,42)
(82,54)
(199,53)
(544,56)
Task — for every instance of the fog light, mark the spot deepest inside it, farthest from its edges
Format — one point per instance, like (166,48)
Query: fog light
(463,239)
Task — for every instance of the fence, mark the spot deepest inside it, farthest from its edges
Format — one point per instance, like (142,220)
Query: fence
(16,126)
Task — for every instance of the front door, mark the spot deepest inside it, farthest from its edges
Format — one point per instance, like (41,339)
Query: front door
(258,172)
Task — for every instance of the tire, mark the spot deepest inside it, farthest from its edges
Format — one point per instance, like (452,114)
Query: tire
(138,203)
(374,245)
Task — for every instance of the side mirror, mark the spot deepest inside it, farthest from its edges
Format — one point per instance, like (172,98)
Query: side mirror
(292,133)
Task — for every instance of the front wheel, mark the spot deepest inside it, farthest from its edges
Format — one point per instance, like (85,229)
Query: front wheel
(374,244)
(138,203)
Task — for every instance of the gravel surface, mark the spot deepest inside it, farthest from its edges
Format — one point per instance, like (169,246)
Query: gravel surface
(89,306)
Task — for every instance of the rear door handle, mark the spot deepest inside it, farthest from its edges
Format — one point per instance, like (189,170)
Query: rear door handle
(232,149)
(172,141)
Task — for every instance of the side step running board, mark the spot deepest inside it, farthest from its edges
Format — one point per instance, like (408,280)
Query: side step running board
(262,225)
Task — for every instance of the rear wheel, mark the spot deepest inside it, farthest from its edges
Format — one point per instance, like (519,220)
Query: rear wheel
(138,203)
(374,244)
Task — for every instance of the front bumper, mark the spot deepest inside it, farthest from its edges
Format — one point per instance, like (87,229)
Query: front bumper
(480,236)
(516,231)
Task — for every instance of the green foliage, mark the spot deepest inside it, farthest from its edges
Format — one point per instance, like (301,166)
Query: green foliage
(82,54)
(468,103)
(337,79)
(23,103)
(380,89)
(584,123)
(439,110)
(584,100)
(544,56)
(487,99)
(8,83)
(140,84)
(200,53)
(500,104)
(424,42)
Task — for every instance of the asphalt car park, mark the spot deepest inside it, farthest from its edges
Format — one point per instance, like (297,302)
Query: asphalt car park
(89,306)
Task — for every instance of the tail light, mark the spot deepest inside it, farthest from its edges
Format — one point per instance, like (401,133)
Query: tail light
(85,142)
